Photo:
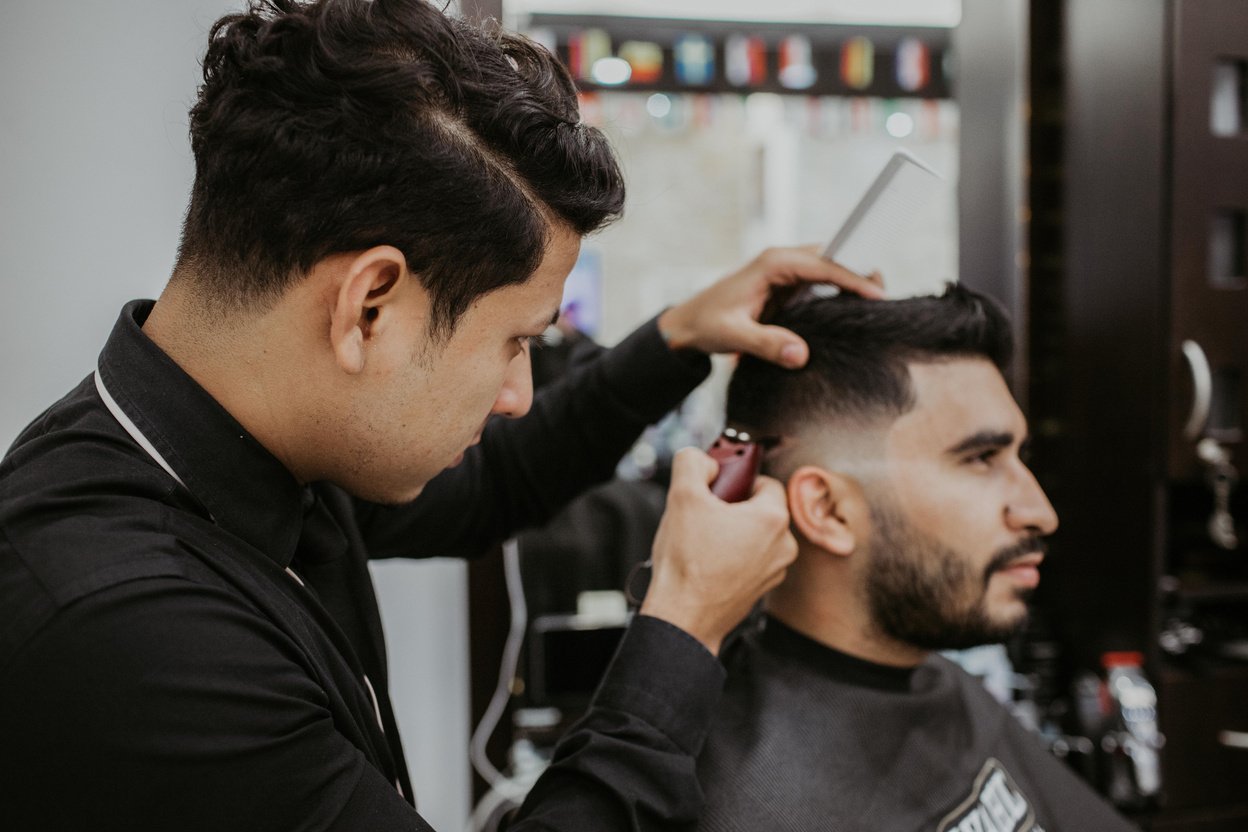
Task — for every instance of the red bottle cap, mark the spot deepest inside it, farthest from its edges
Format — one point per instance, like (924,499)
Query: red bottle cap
(1122,658)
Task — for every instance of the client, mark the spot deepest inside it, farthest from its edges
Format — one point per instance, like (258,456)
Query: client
(920,529)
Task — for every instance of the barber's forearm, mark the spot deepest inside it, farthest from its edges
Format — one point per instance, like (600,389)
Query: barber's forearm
(526,469)
(630,763)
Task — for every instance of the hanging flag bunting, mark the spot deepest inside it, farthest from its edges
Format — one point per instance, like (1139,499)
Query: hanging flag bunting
(678,116)
(645,58)
(861,116)
(795,111)
(745,60)
(914,65)
(728,112)
(630,114)
(898,119)
(694,58)
(821,116)
(586,47)
(858,63)
(930,121)
(590,106)
(814,116)
(703,111)
(797,72)
(833,116)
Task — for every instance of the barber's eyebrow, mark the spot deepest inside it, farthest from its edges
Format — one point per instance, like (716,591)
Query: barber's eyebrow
(984,440)
(554,318)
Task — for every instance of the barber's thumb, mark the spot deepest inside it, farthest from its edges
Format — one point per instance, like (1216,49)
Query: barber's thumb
(691,468)
(779,346)
(769,490)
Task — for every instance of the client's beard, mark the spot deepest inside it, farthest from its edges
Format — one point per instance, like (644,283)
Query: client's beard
(921,593)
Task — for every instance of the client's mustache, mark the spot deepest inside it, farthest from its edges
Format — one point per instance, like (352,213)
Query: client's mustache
(1002,559)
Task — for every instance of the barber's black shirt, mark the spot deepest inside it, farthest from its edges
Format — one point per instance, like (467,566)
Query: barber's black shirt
(200,647)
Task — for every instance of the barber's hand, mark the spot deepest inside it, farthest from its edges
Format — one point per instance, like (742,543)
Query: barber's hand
(724,316)
(713,560)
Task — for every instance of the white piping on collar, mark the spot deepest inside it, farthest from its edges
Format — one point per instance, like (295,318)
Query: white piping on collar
(143,442)
(131,428)
(372,694)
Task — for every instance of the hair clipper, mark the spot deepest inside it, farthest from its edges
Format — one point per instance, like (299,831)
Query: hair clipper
(739,456)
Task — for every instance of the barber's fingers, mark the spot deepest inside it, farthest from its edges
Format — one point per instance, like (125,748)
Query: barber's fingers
(692,471)
(805,264)
(769,489)
(713,560)
(771,499)
(775,344)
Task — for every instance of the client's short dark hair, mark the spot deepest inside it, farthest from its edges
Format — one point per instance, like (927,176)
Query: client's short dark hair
(336,125)
(859,351)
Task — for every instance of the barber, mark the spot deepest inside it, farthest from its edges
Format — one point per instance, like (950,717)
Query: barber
(386,205)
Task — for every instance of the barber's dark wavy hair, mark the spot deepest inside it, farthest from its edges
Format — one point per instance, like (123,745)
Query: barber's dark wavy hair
(859,352)
(337,125)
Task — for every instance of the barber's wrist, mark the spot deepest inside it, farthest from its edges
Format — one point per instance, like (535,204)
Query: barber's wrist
(675,329)
(686,618)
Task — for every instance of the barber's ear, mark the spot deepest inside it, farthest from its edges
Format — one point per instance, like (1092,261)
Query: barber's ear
(826,508)
(362,303)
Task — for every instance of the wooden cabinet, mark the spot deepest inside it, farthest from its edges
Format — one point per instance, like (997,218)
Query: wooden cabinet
(1134,294)
(1205,720)
(1208,263)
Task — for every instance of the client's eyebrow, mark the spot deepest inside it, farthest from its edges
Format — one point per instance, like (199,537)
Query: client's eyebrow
(984,440)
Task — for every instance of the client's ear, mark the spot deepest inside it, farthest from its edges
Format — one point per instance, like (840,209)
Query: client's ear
(826,507)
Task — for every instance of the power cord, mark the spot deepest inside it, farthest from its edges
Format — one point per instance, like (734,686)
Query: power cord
(504,791)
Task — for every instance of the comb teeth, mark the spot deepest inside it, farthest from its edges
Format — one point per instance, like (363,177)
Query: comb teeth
(881,220)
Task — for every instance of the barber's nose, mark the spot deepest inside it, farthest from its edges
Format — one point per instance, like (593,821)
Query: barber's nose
(1030,509)
(516,396)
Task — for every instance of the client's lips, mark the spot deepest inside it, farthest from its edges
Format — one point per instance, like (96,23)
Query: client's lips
(1024,571)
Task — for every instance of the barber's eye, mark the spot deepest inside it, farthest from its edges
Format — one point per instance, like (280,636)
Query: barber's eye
(534,342)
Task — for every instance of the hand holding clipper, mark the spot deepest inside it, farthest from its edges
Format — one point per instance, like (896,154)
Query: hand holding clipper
(713,561)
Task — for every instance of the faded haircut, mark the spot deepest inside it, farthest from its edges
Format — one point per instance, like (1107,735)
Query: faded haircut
(859,355)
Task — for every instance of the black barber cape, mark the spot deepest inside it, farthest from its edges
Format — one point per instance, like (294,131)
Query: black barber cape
(205,652)
(807,738)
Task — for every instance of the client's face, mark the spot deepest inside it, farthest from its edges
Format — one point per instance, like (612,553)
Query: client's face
(957,519)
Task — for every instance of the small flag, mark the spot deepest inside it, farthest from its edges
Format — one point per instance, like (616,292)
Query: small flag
(745,60)
(694,59)
(586,47)
(796,70)
(858,63)
(861,118)
(914,65)
(645,58)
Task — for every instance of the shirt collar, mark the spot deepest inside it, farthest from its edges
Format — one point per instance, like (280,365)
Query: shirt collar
(248,492)
(780,638)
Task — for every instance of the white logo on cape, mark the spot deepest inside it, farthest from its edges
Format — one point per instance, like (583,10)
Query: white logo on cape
(995,804)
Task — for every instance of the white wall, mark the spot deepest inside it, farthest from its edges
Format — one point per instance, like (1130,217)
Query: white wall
(876,12)
(95,168)
(94,172)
